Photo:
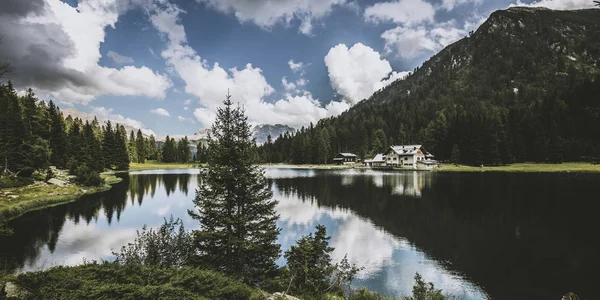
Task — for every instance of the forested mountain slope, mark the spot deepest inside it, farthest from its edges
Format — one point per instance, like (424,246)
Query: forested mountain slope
(524,86)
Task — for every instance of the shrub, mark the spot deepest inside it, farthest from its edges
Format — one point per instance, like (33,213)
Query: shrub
(169,245)
(425,291)
(86,176)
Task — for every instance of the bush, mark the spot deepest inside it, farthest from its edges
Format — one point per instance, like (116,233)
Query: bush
(86,176)
(26,172)
(425,291)
(14,181)
(169,245)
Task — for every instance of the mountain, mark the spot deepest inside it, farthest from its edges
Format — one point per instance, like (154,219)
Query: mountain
(523,87)
(261,132)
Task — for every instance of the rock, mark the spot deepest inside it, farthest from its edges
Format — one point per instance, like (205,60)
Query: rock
(56,182)
(83,191)
(278,296)
(14,196)
(14,291)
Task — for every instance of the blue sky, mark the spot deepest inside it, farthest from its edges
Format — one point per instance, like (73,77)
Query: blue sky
(165,65)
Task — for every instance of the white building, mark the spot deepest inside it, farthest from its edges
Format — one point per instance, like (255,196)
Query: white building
(410,157)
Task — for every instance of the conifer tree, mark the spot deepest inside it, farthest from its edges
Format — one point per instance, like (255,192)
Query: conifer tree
(141,147)
(238,231)
(122,157)
(109,145)
(58,136)
(132,148)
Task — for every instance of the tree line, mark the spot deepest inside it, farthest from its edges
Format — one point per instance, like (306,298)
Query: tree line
(35,135)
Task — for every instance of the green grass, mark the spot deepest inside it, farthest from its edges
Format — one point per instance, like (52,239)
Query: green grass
(311,166)
(115,281)
(525,167)
(154,165)
(15,202)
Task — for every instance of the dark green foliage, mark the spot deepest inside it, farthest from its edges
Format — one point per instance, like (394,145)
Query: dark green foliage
(169,150)
(141,147)
(523,87)
(168,246)
(132,148)
(183,154)
(87,176)
(455,155)
(121,157)
(425,291)
(116,281)
(380,142)
(238,231)
(310,271)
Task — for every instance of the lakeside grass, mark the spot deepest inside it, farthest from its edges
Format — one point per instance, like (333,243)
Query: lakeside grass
(15,202)
(310,166)
(154,165)
(581,167)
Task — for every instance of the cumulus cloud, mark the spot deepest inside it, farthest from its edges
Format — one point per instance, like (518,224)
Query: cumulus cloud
(161,112)
(180,118)
(248,86)
(119,59)
(357,72)
(288,86)
(411,42)
(406,12)
(187,102)
(558,4)
(54,48)
(451,4)
(267,13)
(295,66)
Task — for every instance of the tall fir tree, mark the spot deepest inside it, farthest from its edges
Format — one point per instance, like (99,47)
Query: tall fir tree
(152,151)
(234,204)
(140,147)
(122,157)
(58,136)
(132,147)
(109,145)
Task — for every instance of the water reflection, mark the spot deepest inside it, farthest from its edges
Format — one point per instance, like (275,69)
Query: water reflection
(509,236)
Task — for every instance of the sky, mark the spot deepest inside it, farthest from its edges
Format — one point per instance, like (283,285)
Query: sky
(166,65)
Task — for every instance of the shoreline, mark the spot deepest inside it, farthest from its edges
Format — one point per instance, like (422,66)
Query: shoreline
(27,199)
(569,167)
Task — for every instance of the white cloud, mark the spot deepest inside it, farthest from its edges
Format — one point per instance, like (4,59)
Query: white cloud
(406,12)
(288,86)
(451,4)
(267,13)
(186,107)
(295,66)
(410,42)
(357,72)
(558,4)
(187,102)
(161,112)
(180,118)
(248,86)
(56,52)
(118,58)
(105,114)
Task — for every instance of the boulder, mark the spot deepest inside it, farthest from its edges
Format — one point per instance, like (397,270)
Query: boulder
(56,182)
(280,296)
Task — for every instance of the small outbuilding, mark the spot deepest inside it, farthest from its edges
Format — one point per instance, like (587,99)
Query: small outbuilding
(377,161)
(345,158)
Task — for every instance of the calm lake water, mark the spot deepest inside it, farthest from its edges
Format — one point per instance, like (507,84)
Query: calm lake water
(474,235)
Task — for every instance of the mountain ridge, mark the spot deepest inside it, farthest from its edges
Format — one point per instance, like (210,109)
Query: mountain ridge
(520,84)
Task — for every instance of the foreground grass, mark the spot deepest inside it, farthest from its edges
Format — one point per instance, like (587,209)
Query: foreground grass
(15,202)
(154,165)
(524,167)
(115,281)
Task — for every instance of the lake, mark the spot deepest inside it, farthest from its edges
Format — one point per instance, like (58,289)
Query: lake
(474,235)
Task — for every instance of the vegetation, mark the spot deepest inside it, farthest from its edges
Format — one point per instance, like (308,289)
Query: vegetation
(238,231)
(132,281)
(523,87)
(17,201)
(524,167)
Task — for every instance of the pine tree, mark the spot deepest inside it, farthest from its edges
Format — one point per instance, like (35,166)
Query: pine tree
(152,151)
(122,157)
(141,147)
(379,144)
(109,145)
(455,155)
(238,230)
(132,147)
(95,157)
(13,131)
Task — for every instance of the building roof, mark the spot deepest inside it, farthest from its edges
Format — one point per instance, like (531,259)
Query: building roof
(378,158)
(428,162)
(347,154)
(405,149)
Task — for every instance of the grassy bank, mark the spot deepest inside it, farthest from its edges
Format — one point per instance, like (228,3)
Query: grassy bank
(154,165)
(310,166)
(525,167)
(14,202)
(114,281)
